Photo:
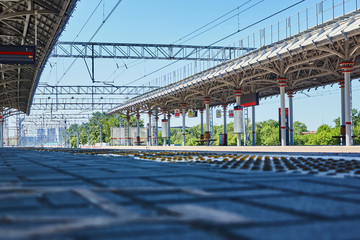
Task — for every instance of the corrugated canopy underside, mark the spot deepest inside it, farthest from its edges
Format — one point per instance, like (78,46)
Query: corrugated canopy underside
(17,27)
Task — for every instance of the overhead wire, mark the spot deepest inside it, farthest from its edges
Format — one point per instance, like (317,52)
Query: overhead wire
(82,28)
(172,63)
(198,29)
(92,37)
(230,35)
(237,14)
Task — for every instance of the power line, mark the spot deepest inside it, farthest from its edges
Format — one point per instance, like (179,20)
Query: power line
(82,28)
(211,22)
(253,24)
(237,14)
(232,34)
(97,30)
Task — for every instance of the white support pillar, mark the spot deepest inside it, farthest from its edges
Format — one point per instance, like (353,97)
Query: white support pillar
(347,69)
(164,110)
(207,119)
(169,139)
(1,131)
(150,130)
(291,116)
(238,93)
(138,128)
(156,137)
(282,84)
(342,116)
(253,125)
(183,109)
(128,142)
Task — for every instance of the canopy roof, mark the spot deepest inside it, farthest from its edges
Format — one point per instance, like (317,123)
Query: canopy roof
(20,21)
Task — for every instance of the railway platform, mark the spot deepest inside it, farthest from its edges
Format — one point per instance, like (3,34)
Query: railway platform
(103,194)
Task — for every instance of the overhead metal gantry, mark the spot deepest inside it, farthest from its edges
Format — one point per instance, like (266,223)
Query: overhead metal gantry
(89,104)
(146,51)
(57,116)
(34,23)
(93,90)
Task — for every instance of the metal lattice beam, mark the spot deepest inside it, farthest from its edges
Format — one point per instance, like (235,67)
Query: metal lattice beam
(93,90)
(89,104)
(146,51)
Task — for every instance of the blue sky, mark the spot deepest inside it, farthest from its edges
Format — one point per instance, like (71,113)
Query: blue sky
(164,21)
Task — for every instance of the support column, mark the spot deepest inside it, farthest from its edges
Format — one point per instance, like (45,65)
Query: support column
(138,128)
(183,109)
(164,121)
(202,136)
(169,139)
(207,119)
(253,125)
(238,118)
(150,140)
(1,130)
(100,128)
(342,116)
(282,84)
(128,142)
(77,138)
(224,140)
(290,94)
(156,129)
(346,68)
(88,136)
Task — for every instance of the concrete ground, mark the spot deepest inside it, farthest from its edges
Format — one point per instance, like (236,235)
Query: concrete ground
(67,195)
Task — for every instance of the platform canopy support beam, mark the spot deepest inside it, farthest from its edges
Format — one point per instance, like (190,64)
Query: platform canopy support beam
(238,115)
(282,84)
(138,128)
(342,116)
(347,68)
(150,129)
(183,112)
(169,139)
(207,119)
(290,94)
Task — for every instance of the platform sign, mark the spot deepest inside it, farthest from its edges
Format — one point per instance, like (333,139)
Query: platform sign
(17,54)
(248,100)
(218,113)
(231,113)
(190,113)
(177,113)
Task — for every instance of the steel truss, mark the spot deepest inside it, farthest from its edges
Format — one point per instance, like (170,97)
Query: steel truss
(146,51)
(93,90)
(90,104)
(56,117)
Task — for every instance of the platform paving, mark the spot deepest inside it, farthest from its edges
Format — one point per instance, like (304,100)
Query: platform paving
(64,195)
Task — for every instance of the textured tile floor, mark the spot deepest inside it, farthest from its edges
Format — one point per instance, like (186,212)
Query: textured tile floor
(63,195)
